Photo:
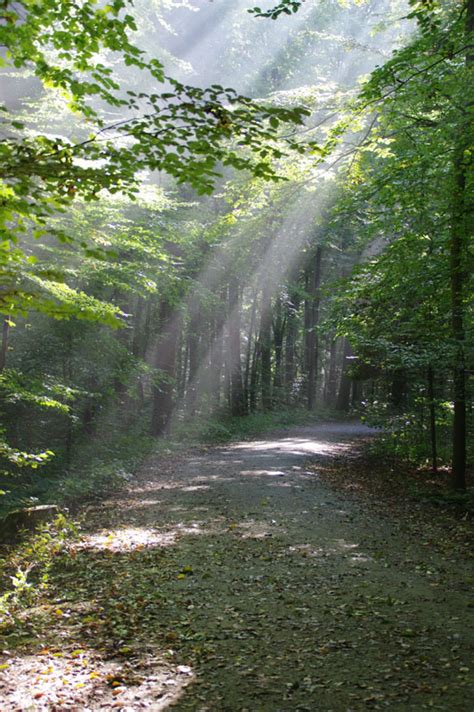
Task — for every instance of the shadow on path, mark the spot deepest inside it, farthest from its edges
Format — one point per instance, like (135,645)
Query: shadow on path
(233,579)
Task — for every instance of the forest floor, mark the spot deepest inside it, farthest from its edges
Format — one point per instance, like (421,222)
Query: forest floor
(258,576)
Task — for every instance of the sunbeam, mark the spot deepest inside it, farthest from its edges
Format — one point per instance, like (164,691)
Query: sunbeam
(235,354)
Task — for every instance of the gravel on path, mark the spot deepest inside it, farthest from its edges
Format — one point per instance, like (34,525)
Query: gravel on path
(255,586)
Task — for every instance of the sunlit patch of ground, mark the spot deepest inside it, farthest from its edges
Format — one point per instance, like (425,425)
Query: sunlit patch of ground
(348,550)
(81,680)
(195,488)
(132,538)
(127,539)
(292,446)
(252,529)
(201,482)
(262,473)
(308,550)
(139,503)
(256,582)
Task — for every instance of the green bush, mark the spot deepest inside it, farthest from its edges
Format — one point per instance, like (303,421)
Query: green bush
(24,570)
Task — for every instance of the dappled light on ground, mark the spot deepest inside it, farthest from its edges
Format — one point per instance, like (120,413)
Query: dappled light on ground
(82,680)
(131,538)
(254,529)
(128,539)
(292,446)
(244,583)
(337,548)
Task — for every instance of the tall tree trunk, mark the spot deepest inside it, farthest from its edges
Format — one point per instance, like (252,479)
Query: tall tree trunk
(344,393)
(4,346)
(461,235)
(356,393)
(217,357)
(398,389)
(194,343)
(431,399)
(279,324)
(265,340)
(165,361)
(254,373)
(307,338)
(313,281)
(237,404)
(141,328)
(137,334)
(316,311)
(248,356)
(330,387)
(290,346)
(182,375)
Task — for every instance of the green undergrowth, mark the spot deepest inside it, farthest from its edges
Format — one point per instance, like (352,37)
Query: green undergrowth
(390,478)
(406,436)
(25,568)
(408,461)
(440,494)
(102,468)
(223,428)
(100,465)
(96,467)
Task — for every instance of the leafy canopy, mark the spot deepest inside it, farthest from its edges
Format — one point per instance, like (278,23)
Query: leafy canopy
(185,131)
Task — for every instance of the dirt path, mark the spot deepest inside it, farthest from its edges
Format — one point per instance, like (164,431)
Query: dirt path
(234,579)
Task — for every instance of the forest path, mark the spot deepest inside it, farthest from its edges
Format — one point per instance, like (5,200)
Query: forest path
(234,579)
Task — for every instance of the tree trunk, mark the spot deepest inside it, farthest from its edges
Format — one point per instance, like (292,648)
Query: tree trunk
(344,393)
(165,361)
(4,346)
(194,339)
(266,349)
(254,373)
(398,390)
(461,235)
(313,282)
(237,405)
(316,310)
(290,347)
(279,324)
(141,328)
(307,338)
(431,399)
(138,314)
(356,393)
(217,357)
(248,357)
(331,379)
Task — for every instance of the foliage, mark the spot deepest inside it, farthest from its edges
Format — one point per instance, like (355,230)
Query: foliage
(185,131)
(25,570)
(287,7)
(217,302)
(222,428)
(398,308)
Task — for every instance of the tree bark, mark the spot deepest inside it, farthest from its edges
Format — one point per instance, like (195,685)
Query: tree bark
(331,379)
(344,393)
(290,347)
(4,346)
(279,324)
(194,343)
(431,399)
(266,348)
(237,404)
(461,234)
(398,390)
(165,361)
(312,320)
(248,356)
(254,373)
